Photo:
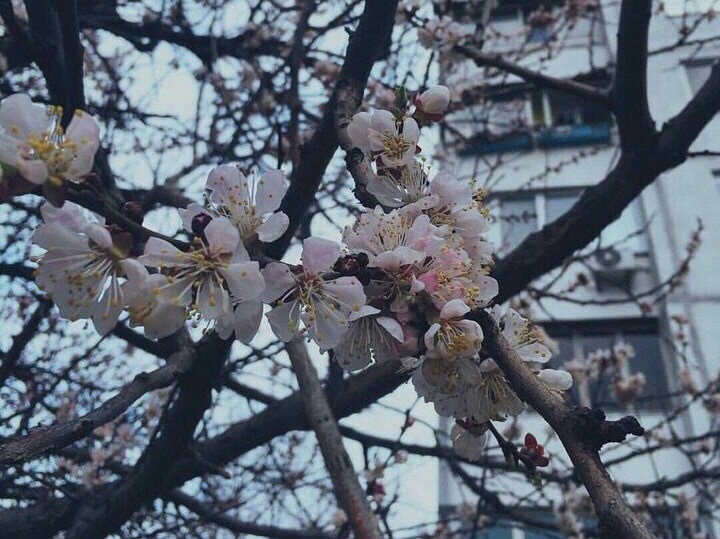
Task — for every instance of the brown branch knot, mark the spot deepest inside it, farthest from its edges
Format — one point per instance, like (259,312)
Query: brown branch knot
(594,430)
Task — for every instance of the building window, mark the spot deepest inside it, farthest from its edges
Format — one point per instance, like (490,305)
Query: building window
(539,119)
(698,72)
(577,340)
(521,214)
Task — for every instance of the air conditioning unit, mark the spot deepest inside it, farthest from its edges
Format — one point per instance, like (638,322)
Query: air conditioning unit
(614,268)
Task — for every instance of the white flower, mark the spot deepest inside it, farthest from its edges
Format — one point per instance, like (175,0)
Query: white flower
(397,187)
(466,444)
(322,305)
(393,239)
(381,135)
(369,336)
(249,204)
(492,398)
(33,142)
(158,319)
(83,266)
(452,337)
(204,277)
(445,384)
(434,101)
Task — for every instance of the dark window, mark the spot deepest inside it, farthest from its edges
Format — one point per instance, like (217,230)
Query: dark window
(578,339)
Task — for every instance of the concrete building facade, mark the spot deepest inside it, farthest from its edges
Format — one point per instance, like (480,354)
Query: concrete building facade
(537,150)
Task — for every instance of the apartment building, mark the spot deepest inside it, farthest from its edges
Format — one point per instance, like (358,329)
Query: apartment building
(537,150)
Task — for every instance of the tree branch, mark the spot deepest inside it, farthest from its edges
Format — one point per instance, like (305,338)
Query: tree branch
(629,90)
(347,488)
(581,435)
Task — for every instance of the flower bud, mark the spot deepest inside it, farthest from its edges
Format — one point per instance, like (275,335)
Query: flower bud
(434,101)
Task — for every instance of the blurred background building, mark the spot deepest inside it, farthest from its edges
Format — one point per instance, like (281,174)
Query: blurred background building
(551,147)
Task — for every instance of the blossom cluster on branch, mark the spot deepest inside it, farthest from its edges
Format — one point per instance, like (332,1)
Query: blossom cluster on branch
(402,285)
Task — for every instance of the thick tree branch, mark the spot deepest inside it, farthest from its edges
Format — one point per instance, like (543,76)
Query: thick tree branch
(347,488)
(364,48)
(629,90)
(581,436)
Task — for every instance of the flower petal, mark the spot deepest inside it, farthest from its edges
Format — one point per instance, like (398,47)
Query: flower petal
(222,236)
(274,227)
(319,255)
(271,189)
(20,117)
(246,319)
(244,280)
(556,379)
(278,280)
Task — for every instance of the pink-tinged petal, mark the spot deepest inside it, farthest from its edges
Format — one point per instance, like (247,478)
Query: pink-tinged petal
(188,214)
(246,320)
(352,354)
(164,321)
(430,336)
(81,165)
(488,289)
(33,170)
(348,292)
(271,189)
(327,328)
(212,299)
(385,190)
(58,238)
(134,271)
(229,185)
(284,320)
(20,117)
(278,280)
(224,327)
(222,236)
(100,235)
(514,326)
(159,252)
(411,132)
(178,292)
(358,130)
(319,255)
(383,121)
(434,100)
(496,312)
(535,352)
(105,315)
(393,328)
(455,308)
(9,152)
(398,257)
(560,380)
(451,191)
(244,280)
(365,310)
(69,216)
(274,227)
(84,131)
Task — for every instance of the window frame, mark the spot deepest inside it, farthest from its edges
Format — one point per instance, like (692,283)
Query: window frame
(619,329)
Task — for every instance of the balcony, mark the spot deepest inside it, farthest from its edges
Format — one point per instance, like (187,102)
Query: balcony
(562,136)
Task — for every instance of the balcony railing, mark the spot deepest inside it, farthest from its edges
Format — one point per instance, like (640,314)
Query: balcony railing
(564,136)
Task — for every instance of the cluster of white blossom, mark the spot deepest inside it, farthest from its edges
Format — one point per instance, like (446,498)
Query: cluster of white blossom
(403,285)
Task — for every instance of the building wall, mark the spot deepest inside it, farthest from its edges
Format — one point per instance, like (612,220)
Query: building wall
(671,206)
